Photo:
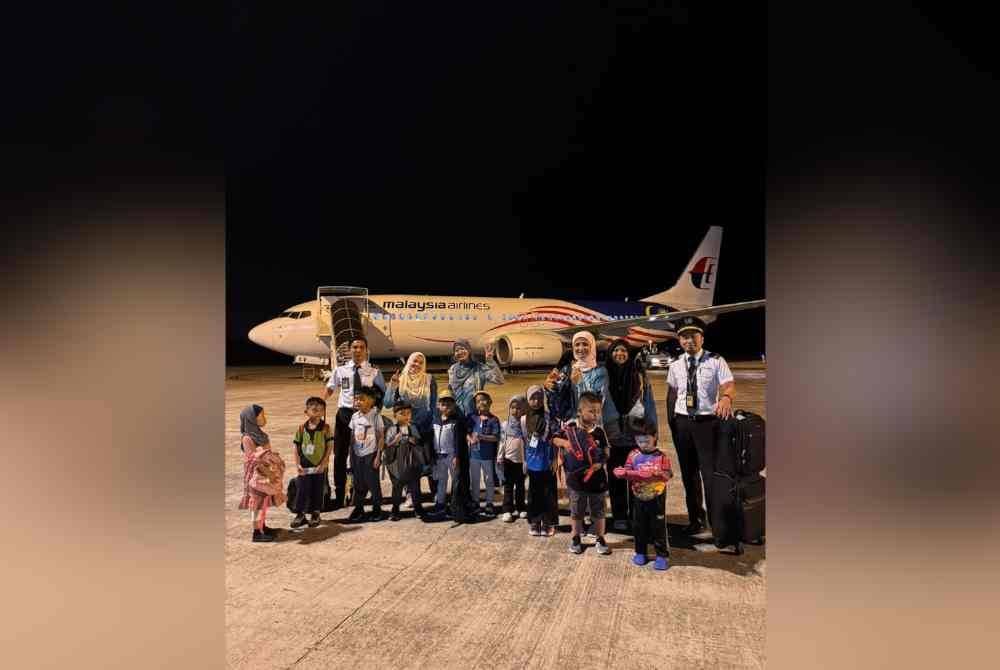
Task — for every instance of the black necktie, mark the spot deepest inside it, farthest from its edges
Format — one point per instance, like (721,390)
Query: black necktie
(357,380)
(692,389)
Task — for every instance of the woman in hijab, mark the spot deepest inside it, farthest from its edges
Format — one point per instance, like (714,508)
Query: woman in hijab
(632,397)
(467,377)
(418,388)
(564,385)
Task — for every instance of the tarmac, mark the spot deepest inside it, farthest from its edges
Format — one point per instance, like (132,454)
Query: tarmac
(410,594)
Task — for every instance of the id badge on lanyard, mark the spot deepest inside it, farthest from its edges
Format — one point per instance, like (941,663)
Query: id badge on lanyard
(534,441)
(690,401)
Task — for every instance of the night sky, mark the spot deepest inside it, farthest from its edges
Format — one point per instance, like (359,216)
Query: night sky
(563,152)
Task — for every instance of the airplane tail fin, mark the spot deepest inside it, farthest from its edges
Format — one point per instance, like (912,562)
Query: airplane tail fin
(696,285)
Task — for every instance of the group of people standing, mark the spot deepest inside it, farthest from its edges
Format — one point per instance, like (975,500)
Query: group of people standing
(592,426)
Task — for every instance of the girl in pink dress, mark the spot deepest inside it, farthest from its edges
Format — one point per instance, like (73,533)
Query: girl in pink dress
(263,472)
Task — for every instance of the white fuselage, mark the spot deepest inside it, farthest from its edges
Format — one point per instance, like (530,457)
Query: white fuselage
(401,324)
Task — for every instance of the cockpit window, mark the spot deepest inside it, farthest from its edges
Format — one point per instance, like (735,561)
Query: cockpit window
(288,314)
(305,314)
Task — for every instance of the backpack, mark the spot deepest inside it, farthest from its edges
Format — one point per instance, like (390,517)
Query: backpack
(579,462)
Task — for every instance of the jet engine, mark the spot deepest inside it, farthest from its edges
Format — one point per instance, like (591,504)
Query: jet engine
(529,349)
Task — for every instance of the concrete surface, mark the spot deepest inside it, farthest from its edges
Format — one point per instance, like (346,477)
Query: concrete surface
(409,594)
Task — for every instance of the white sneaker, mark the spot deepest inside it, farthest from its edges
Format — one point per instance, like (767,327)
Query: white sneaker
(507,517)
(523,515)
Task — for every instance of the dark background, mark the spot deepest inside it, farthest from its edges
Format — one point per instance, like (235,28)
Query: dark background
(563,151)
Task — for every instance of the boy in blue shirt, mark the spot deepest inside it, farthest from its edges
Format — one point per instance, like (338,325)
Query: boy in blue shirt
(484,435)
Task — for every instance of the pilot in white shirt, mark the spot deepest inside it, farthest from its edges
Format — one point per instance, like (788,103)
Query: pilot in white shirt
(343,380)
(704,388)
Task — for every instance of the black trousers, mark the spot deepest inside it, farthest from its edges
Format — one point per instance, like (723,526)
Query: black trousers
(513,486)
(649,524)
(413,485)
(695,440)
(365,480)
(342,440)
(543,503)
(618,488)
(309,493)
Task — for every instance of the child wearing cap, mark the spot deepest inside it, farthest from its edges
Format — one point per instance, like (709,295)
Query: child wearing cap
(368,432)
(484,435)
(403,457)
(452,455)
(647,469)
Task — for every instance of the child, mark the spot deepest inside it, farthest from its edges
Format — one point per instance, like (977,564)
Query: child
(313,445)
(368,431)
(585,451)
(510,460)
(403,457)
(648,470)
(452,452)
(263,472)
(540,463)
(484,434)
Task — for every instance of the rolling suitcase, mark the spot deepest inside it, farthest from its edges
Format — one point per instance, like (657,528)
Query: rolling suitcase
(738,489)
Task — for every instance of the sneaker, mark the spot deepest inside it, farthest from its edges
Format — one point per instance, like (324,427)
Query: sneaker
(576,547)
(298,521)
(639,559)
(549,531)
(523,514)
(269,530)
(661,563)
(394,516)
(376,515)
(489,510)
(602,547)
(534,531)
(620,525)
(356,516)
(314,520)
(261,536)
(507,517)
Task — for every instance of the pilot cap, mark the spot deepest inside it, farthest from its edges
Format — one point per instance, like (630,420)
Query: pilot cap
(691,323)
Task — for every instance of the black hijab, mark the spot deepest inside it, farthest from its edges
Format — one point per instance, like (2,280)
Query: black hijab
(624,381)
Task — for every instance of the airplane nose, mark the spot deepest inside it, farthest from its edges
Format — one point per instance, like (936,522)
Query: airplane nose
(258,336)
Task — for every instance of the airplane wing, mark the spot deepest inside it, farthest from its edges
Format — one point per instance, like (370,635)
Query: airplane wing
(661,322)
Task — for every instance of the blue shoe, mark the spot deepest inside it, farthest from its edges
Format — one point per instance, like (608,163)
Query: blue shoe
(639,559)
(661,563)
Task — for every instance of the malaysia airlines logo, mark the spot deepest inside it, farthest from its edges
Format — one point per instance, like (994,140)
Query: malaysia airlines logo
(703,272)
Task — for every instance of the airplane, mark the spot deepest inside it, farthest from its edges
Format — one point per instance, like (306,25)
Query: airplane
(525,332)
